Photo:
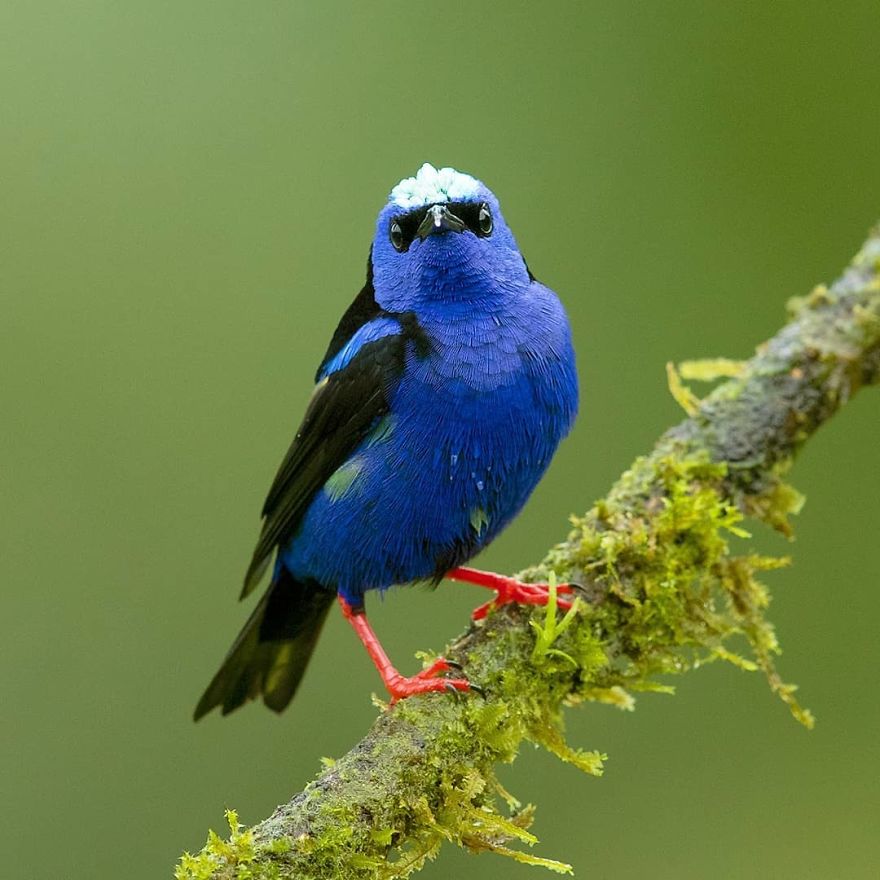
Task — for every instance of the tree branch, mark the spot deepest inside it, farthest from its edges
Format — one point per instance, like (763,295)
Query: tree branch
(662,591)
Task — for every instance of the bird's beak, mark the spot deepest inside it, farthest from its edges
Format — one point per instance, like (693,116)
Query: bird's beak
(439,219)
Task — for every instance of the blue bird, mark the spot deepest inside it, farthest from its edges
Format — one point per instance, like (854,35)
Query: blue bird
(442,397)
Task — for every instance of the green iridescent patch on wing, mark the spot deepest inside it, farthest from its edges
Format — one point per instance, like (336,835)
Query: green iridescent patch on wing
(479,519)
(342,479)
(382,432)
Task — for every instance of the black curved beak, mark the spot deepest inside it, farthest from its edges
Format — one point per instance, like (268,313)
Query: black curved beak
(439,219)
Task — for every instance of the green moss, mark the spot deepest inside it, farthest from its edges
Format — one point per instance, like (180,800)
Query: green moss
(661,547)
(682,395)
(235,856)
(710,369)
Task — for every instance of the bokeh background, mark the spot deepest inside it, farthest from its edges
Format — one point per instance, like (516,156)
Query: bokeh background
(188,193)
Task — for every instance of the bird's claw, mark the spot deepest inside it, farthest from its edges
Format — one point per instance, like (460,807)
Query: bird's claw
(510,590)
(429,680)
(452,690)
(457,692)
(440,665)
(401,688)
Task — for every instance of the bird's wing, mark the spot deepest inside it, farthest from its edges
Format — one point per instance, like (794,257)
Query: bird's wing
(363,309)
(354,391)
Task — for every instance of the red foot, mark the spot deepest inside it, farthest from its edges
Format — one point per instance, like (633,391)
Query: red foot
(508,590)
(400,687)
(397,685)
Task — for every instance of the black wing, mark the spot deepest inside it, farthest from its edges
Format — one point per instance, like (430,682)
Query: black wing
(361,311)
(344,407)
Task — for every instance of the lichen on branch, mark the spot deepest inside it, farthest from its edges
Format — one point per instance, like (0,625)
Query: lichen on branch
(667,580)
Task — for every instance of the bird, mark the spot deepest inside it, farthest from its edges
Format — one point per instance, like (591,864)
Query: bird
(444,392)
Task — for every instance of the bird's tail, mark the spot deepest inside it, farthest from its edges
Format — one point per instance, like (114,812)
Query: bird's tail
(273,649)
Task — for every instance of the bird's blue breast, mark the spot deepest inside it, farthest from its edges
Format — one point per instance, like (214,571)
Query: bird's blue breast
(472,426)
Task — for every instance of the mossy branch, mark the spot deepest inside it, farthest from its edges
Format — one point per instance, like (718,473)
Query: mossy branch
(662,591)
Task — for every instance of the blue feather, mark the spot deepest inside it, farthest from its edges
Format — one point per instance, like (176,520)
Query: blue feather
(372,331)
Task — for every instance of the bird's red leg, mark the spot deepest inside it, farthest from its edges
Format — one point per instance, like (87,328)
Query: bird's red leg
(396,684)
(508,589)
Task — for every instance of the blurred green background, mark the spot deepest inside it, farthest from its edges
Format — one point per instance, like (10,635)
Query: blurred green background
(187,194)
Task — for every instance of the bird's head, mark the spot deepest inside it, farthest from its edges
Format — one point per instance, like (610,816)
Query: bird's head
(442,238)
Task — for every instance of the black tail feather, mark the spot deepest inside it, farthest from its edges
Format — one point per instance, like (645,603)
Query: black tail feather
(273,649)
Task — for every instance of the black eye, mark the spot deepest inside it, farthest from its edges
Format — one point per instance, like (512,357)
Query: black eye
(396,235)
(485,219)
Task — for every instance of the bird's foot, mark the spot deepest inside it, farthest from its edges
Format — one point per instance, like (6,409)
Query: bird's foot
(400,687)
(509,590)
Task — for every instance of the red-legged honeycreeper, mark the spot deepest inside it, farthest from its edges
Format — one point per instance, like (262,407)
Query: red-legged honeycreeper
(445,391)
